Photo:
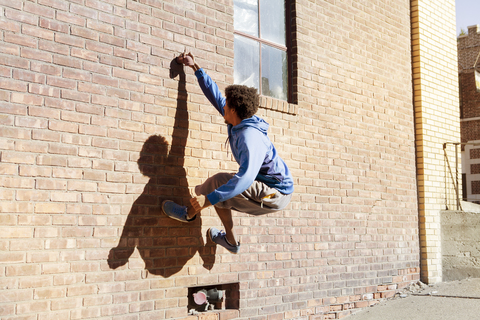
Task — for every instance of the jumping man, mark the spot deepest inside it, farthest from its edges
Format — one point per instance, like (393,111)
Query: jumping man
(263,183)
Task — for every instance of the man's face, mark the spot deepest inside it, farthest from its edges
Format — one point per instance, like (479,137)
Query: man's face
(229,114)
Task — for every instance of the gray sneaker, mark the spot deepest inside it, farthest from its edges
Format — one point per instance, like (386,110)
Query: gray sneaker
(218,237)
(175,211)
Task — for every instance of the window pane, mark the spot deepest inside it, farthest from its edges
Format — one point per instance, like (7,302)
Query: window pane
(247,62)
(245,17)
(274,72)
(272,20)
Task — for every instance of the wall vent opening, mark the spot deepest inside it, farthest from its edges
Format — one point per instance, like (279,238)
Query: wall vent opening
(213,297)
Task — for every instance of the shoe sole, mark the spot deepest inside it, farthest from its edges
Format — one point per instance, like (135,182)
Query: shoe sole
(210,236)
(164,201)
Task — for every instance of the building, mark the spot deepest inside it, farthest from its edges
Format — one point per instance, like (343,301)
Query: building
(98,125)
(468,51)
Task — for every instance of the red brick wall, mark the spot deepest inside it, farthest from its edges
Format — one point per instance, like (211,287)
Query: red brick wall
(98,126)
(468,48)
(470,130)
(470,101)
(469,95)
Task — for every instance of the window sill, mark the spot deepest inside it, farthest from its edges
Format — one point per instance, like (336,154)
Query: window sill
(278,105)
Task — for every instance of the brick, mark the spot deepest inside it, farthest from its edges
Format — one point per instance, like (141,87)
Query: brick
(71,41)
(79,163)
(90,152)
(12,258)
(58,104)
(77,74)
(62,83)
(13,182)
(16,208)
(15,110)
(60,244)
(105,143)
(7,310)
(75,117)
(38,257)
(112,40)
(111,188)
(54,315)
(131,126)
(89,109)
(64,220)
(4,95)
(38,32)
(85,33)
(29,195)
(45,136)
(33,307)
(109,18)
(21,16)
(99,47)
(78,209)
(17,295)
(123,53)
(13,85)
(17,157)
(67,173)
(66,304)
(28,76)
(22,270)
(47,160)
(55,47)
(26,99)
(106,101)
(51,208)
(84,54)
(29,171)
(81,186)
(44,90)
(57,4)
(53,25)
(39,10)
(72,95)
(67,62)
(36,55)
(14,62)
(101,27)
(81,290)
(49,293)
(8,169)
(10,26)
(62,149)
(56,268)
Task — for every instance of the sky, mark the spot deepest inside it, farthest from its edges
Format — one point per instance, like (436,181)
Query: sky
(468,14)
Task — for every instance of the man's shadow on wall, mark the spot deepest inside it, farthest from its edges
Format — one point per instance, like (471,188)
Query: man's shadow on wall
(164,244)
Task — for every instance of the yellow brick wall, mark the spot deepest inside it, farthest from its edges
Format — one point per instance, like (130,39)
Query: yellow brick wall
(436,103)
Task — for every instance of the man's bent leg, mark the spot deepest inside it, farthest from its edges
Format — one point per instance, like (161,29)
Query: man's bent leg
(225,216)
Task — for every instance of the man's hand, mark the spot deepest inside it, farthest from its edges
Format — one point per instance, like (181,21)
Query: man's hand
(195,66)
(199,203)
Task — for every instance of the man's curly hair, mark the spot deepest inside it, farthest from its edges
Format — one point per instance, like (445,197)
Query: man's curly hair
(244,100)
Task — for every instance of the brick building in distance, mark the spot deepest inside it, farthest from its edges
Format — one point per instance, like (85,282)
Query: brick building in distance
(468,53)
(98,125)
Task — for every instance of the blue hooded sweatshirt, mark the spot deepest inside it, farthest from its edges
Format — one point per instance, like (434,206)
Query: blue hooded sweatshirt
(252,149)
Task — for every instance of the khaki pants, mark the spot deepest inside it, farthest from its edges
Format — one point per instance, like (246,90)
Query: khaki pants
(258,199)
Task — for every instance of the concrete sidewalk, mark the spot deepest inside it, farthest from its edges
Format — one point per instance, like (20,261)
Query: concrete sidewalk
(442,301)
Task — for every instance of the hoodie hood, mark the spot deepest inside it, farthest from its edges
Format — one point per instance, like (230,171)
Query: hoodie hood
(253,122)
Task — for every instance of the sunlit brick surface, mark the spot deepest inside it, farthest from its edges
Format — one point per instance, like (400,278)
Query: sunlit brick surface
(98,126)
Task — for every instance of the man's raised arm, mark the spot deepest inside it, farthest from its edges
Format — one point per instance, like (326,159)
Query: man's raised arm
(208,86)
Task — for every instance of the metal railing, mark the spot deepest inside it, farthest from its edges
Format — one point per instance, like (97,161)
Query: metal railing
(452,176)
